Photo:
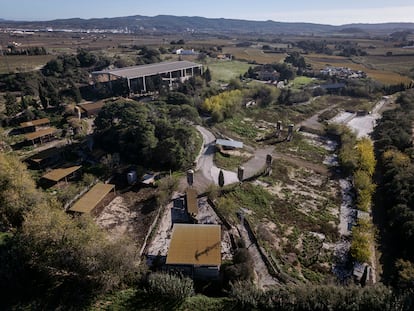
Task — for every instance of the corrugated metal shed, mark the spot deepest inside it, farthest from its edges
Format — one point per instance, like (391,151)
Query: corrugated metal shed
(191,199)
(92,198)
(195,245)
(92,108)
(229,143)
(40,133)
(149,70)
(43,155)
(60,173)
(35,122)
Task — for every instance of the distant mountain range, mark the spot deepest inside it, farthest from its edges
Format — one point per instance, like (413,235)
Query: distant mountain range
(177,24)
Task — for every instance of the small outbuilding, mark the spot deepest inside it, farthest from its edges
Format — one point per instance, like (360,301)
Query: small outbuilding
(32,126)
(92,199)
(229,144)
(45,158)
(56,175)
(91,109)
(41,136)
(195,250)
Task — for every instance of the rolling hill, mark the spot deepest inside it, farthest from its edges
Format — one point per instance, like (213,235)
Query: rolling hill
(178,24)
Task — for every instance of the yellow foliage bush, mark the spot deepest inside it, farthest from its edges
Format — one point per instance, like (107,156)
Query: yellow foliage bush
(224,104)
(366,155)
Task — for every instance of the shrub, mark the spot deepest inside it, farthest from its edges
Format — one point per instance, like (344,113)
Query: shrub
(170,286)
(246,294)
(362,239)
(365,189)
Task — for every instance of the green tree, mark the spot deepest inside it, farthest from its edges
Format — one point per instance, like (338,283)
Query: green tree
(207,75)
(65,247)
(366,155)
(12,107)
(53,67)
(296,60)
(362,239)
(177,98)
(42,95)
(86,59)
(18,192)
(365,189)
(221,178)
(124,126)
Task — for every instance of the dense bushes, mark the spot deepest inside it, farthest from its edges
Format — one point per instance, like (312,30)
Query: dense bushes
(363,174)
(362,240)
(223,105)
(394,147)
(347,139)
(358,160)
(48,256)
(156,135)
(321,298)
(18,193)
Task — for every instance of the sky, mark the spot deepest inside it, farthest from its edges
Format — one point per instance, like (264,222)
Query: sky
(315,11)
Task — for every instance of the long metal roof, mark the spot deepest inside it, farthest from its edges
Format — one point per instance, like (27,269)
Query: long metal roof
(40,133)
(195,245)
(44,154)
(191,197)
(60,173)
(35,122)
(229,143)
(93,197)
(92,106)
(149,70)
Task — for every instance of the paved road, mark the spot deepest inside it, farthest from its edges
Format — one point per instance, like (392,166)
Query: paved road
(313,122)
(205,163)
(207,172)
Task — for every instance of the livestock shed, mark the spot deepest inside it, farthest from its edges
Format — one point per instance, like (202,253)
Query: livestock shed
(45,158)
(195,250)
(32,126)
(91,200)
(91,109)
(41,135)
(56,175)
(139,78)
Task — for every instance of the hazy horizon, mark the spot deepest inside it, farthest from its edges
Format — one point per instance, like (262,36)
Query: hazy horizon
(318,11)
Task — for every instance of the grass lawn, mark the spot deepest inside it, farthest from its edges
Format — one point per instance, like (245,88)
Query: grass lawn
(239,127)
(224,71)
(230,162)
(300,82)
(254,55)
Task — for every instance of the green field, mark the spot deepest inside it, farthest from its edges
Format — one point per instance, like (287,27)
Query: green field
(301,82)
(22,63)
(224,71)
(229,162)
(255,55)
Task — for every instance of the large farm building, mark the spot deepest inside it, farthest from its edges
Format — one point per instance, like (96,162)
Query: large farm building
(141,79)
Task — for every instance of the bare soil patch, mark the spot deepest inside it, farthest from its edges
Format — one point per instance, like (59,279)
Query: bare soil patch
(130,214)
